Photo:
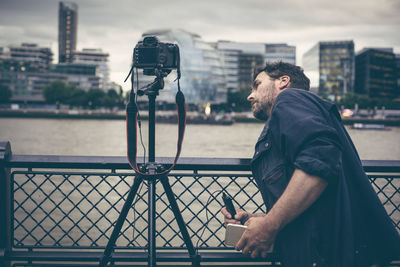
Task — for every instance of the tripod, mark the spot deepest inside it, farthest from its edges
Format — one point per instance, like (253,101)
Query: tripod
(152,174)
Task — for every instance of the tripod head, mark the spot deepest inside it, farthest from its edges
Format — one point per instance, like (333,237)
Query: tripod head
(152,169)
(157,85)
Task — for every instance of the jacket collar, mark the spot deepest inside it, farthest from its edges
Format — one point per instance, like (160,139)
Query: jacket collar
(264,131)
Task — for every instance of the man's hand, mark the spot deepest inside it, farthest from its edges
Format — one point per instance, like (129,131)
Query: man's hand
(258,238)
(301,192)
(240,218)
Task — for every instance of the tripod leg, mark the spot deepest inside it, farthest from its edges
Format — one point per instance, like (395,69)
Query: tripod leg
(152,260)
(179,219)
(120,221)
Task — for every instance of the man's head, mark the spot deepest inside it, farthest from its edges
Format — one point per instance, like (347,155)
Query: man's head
(270,81)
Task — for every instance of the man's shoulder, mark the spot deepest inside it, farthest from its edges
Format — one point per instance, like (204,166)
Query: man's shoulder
(303,98)
(294,94)
(302,103)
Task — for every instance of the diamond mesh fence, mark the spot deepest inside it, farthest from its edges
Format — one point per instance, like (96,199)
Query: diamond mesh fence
(78,210)
(66,209)
(387,188)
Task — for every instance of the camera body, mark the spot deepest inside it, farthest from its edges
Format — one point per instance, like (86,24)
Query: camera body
(151,54)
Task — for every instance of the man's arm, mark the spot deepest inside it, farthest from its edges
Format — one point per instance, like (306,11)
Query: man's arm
(302,191)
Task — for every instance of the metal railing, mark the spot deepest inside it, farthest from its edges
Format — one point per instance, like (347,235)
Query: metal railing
(62,208)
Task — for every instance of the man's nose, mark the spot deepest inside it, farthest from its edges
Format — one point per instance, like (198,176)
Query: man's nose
(250,97)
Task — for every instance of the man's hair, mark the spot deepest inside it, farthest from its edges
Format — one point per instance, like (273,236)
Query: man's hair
(277,69)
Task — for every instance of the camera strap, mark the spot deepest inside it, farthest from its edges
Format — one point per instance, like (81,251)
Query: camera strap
(131,130)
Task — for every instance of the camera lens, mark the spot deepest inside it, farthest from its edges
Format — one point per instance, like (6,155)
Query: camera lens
(162,58)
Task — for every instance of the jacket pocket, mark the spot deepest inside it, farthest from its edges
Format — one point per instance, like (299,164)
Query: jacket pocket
(275,183)
(274,175)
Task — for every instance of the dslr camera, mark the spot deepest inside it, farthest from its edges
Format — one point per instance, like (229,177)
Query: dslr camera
(151,54)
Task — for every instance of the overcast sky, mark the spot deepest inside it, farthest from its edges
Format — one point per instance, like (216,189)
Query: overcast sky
(116,25)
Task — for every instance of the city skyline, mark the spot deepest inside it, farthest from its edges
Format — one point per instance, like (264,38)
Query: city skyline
(117,26)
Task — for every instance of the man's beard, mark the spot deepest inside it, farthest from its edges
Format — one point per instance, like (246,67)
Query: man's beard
(260,111)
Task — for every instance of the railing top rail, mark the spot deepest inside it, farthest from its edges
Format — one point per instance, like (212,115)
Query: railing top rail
(185,163)
(117,162)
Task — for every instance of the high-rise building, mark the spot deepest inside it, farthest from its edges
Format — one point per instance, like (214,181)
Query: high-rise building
(247,65)
(280,52)
(376,73)
(240,59)
(247,48)
(235,57)
(67,30)
(330,67)
(97,58)
(202,79)
(230,64)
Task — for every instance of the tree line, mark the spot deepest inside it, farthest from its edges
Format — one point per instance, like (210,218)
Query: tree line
(59,92)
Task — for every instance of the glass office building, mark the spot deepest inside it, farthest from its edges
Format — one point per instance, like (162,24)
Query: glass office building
(238,62)
(280,52)
(230,65)
(376,73)
(331,68)
(202,80)
(96,57)
(240,59)
(247,65)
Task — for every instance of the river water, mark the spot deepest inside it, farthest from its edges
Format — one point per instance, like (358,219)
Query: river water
(108,138)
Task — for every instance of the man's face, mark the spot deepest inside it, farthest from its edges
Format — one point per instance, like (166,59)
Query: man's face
(263,94)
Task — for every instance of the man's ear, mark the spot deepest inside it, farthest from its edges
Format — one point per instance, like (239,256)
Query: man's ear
(284,82)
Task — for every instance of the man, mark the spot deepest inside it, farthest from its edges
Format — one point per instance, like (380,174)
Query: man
(322,209)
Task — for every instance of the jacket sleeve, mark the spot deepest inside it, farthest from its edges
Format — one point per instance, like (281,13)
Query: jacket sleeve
(306,139)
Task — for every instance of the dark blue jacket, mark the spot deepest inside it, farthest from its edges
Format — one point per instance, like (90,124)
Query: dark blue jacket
(347,225)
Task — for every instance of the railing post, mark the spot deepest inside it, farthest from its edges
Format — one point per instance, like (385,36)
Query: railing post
(5,245)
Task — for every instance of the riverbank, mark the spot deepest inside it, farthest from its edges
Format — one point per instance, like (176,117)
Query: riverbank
(165,116)
(162,116)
